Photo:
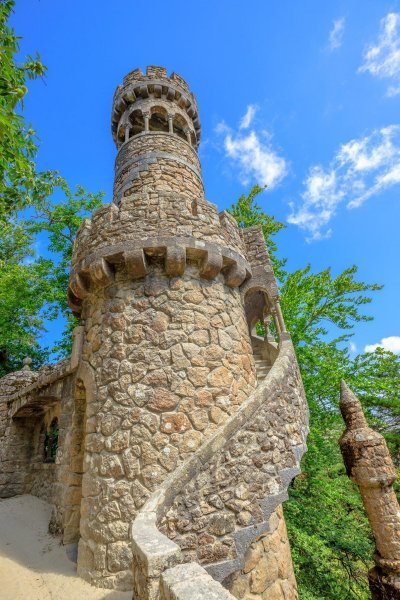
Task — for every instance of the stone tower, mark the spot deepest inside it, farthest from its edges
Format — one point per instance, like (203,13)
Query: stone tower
(183,427)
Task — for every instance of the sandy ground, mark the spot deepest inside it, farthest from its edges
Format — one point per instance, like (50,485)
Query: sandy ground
(33,564)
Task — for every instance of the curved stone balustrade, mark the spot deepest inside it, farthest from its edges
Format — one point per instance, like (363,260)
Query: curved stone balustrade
(279,402)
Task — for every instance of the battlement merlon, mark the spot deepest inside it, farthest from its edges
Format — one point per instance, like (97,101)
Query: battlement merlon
(156,85)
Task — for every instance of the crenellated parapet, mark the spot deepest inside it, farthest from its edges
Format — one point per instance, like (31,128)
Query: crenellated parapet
(156,229)
(155,88)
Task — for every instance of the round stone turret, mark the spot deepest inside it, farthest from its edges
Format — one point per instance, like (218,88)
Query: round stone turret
(156,128)
(155,279)
(159,214)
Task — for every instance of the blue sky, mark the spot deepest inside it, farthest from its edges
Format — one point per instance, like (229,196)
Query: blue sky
(303,96)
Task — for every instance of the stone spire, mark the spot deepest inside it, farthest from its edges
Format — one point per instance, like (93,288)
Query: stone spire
(369,466)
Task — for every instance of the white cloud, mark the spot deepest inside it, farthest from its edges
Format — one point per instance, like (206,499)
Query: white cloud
(353,347)
(391,344)
(360,169)
(336,34)
(252,152)
(382,59)
(247,119)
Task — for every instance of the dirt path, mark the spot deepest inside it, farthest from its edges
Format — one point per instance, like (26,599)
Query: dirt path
(33,565)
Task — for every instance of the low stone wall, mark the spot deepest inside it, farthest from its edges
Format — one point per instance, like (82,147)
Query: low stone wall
(14,437)
(28,403)
(190,582)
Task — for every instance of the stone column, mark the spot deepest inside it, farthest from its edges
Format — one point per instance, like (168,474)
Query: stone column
(370,467)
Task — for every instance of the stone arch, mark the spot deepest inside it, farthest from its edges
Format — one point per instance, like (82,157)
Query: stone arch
(136,122)
(158,119)
(180,126)
(258,310)
(256,305)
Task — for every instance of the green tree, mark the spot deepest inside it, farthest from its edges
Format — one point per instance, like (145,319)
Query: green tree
(18,146)
(24,289)
(60,220)
(32,289)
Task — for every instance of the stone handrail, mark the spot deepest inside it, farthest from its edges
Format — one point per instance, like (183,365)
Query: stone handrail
(154,552)
(189,581)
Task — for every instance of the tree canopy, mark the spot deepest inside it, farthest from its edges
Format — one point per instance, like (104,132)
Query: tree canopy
(35,207)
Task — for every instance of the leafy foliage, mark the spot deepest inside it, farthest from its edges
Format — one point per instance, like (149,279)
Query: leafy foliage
(60,221)
(18,177)
(32,288)
(23,290)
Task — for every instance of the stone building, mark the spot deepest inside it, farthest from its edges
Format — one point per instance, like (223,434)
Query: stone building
(167,441)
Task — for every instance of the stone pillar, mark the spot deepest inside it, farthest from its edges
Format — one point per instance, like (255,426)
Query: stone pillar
(370,467)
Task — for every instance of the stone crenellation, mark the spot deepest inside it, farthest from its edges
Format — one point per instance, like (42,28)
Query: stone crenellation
(167,441)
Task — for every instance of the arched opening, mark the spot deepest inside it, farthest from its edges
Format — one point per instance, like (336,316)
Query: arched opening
(136,120)
(262,330)
(158,119)
(75,445)
(180,126)
(51,442)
